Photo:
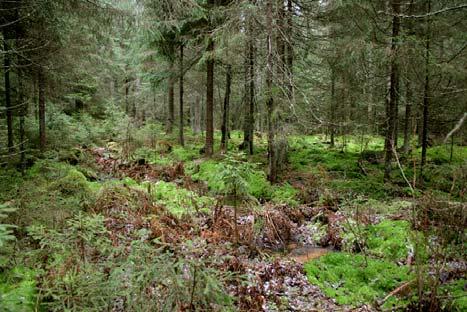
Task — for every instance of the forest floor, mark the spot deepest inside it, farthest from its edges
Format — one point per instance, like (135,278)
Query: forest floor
(153,228)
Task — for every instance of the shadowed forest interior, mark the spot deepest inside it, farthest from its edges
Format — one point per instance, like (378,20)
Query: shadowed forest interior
(233,155)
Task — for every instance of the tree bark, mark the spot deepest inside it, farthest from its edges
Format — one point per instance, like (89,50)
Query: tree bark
(290,51)
(8,108)
(23,113)
(272,165)
(408,89)
(197,115)
(209,146)
(42,134)
(391,110)
(180,133)
(249,124)
(426,92)
(225,115)
(333,106)
(408,117)
(171,109)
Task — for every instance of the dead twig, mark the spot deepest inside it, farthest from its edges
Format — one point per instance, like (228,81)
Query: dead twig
(396,291)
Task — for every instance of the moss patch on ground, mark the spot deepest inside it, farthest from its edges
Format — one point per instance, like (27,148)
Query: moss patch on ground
(353,280)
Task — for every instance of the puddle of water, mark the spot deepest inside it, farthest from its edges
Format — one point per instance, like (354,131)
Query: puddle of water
(307,253)
(301,254)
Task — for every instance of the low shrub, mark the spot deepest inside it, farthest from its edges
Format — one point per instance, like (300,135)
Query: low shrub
(258,185)
(51,193)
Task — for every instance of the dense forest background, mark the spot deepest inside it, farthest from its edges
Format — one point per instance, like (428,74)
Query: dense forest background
(331,126)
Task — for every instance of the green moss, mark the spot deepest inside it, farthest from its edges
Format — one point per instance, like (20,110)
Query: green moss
(259,185)
(372,186)
(284,194)
(348,279)
(389,239)
(179,201)
(186,153)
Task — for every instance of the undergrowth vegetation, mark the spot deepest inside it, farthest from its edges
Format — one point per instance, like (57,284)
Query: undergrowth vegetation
(354,280)
(127,220)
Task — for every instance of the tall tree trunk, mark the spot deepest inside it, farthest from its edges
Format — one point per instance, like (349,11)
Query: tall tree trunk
(196,123)
(272,175)
(391,109)
(249,124)
(209,146)
(225,114)
(23,113)
(171,109)
(280,43)
(369,91)
(290,51)
(408,117)
(251,93)
(426,92)
(180,133)
(35,98)
(408,87)
(8,108)
(42,135)
(333,106)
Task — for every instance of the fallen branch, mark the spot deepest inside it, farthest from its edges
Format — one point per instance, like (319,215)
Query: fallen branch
(396,291)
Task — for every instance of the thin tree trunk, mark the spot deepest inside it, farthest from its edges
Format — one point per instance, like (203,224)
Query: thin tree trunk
(333,106)
(42,134)
(35,98)
(180,135)
(209,147)
(272,176)
(391,110)
(23,112)
(426,92)
(197,115)
(171,109)
(408,86)
(225,115)
(251,93)
(8,108)
(370,108)
(280,43)
(290,51)
(127,94)
(408,117)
